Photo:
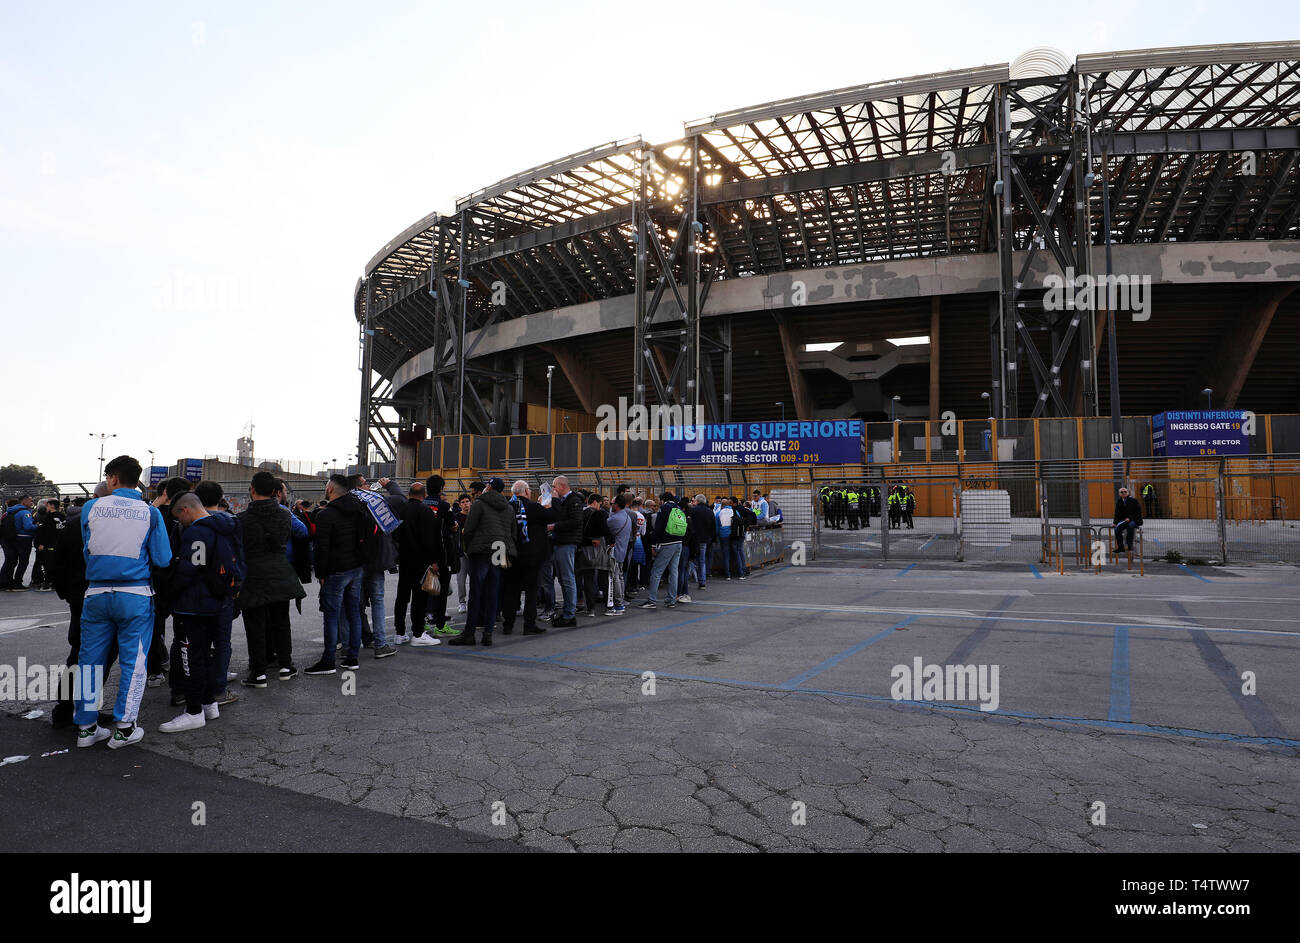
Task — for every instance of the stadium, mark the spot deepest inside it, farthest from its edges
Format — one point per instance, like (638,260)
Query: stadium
(877,252)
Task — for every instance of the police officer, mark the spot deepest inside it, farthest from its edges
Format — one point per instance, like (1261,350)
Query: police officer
(1151,500)
(895,505)
(864,506)
(851,506)
(825,497)
(909,505)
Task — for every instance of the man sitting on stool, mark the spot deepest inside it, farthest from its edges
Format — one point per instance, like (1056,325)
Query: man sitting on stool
(1128,518)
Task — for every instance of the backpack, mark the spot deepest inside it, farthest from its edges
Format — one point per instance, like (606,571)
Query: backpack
(8,529)
(226,570)
(676,526)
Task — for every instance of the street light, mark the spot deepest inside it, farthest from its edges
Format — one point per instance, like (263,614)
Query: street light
(985,397)
(1208,393)
(1107,133)
(549,371)
(101,436)
(892,403)
(782,405)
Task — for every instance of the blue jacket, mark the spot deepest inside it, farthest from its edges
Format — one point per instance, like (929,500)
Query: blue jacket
(121,536)
(23,521)
(297,531)
(190,594)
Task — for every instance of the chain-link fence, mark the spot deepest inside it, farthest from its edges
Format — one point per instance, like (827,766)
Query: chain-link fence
(1029,513)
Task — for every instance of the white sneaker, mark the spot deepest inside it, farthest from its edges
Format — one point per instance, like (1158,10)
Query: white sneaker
(400,638)
(211,711)
(460,607)
(183,722)
(121,739)
(684,598)
(89,736)
(424,641)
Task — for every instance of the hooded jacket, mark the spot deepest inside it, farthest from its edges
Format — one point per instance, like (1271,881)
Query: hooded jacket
(491,518)
(271,579)
(338,535)
(187,588)
(68,565)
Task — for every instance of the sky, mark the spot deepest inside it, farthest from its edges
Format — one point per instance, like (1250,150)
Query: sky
(189,191)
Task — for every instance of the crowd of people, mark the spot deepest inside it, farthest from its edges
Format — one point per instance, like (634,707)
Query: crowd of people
(850,507)
(126,564)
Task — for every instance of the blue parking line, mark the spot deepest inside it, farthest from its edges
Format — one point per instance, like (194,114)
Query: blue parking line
(1121,707)
(1194,573)
(928,542)
(836,659)
(1033,569)
(1189,733)
(636,635)
(904,571)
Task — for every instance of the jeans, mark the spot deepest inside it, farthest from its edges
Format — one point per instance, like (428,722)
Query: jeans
(194,637)
(17,555)
(563,557)
(734,553)
(341,595)
(546,583)
(220,663)
(484,593)
(1124,536)
(373,590)
(666,557)
(462,595)
(702,564)
(615,598)
(684,566)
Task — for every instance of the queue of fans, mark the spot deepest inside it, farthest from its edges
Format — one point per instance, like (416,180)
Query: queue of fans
(125,567)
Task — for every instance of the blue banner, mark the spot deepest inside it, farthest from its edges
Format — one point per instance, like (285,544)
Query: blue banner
(194,469)
(379,509)
(819,442)
(1199,432)
(157,473)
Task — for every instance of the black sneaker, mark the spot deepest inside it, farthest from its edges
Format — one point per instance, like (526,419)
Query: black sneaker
(564,623)
(348,663)
(508,629)
(253,681)
(321,667)
(535,630)
(288,673)
(648,605)
(465,638)
(487,640)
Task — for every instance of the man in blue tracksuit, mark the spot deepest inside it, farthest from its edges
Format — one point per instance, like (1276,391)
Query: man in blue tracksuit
(20,529)
(122,537)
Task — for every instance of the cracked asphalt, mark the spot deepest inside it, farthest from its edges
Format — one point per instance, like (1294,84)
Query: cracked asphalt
(771,725)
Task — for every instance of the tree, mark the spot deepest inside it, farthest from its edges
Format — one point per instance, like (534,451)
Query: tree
(16,475)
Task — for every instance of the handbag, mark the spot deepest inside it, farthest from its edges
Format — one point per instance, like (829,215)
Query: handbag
(595,557)
(430,583)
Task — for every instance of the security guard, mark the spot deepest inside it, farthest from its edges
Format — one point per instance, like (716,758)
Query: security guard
(851,506)
(1151,500)
(895,506)
(824,496)
(864,506)
(909,505)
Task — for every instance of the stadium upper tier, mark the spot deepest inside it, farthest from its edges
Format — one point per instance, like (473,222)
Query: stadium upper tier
(915,187)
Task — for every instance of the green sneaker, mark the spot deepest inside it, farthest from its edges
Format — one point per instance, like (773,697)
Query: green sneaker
(446,630)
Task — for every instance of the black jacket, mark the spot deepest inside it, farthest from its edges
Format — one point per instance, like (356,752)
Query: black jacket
(566,515)
(270,574)
(68,565)
(419,539)
(188,590)
(704,525)
(538,546)
(1130,508)
(338,535)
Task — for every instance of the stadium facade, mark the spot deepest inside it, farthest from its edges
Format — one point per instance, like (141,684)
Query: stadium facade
(772,259)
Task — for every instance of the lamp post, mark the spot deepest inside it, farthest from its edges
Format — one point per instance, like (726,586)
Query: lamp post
(1107,133)
(102,436)
(549,370)
(782,405)
(892,403)
(1208,393)
(985,397)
